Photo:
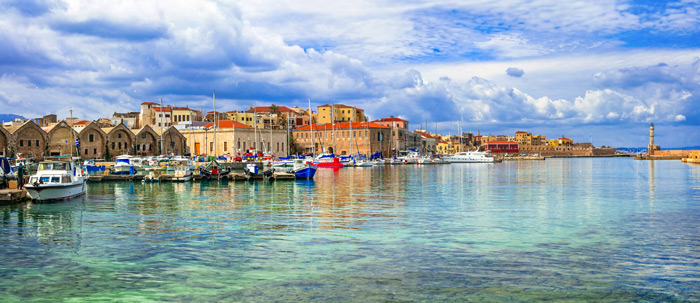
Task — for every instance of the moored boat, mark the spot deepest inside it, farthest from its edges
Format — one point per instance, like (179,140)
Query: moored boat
(303,169)
(56,180)
(470,157)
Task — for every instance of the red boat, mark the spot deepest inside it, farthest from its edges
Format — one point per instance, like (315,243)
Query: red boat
(328,164)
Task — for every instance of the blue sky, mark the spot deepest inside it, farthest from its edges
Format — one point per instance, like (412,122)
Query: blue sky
(588,70)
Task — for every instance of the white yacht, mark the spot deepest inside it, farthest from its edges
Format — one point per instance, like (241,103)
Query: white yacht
(124,165)
(56,180)
(470,157)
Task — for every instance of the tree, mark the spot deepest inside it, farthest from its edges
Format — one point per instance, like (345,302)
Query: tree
(274,110)
(292,145)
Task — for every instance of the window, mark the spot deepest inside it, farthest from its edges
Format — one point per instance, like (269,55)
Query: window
(94,151)
(211,146)
(37,142)
(29,142)
(225,145)
(21,142)
(91,137)
(86,151)
(143,136)
(112,145)
(120,145)
(119,135)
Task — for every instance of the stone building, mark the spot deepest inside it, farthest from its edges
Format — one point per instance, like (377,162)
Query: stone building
(344,138)
(4,142)
(130,119)
(230,137)
(92,141)
(399,132)
(28,140)
(174,142)
(146,141)
(120,141)
(328,113)
(61,139)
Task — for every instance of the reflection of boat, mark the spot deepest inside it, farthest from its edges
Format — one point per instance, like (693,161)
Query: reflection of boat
(470,157)
(303,169)
(124,165)
(56,180)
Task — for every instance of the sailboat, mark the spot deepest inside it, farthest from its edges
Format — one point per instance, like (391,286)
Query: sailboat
(360,162)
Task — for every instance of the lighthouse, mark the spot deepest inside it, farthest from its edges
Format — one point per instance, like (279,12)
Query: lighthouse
(652,146)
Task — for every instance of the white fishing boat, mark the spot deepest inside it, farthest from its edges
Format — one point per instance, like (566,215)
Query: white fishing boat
(124,165)
(470,157)
(56,180)
(182,174)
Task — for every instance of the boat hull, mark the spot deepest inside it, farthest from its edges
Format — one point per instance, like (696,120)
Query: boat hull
(43,192)
(305,173)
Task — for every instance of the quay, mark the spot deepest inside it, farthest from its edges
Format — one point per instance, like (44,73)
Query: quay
(11,196)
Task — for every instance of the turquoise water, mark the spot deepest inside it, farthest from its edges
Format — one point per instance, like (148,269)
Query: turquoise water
(609,229)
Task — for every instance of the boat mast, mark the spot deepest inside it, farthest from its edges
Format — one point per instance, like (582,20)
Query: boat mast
(71,135)
(161,127)
(311,123)
(216,126)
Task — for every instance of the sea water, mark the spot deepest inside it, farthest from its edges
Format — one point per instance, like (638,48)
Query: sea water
(610,229)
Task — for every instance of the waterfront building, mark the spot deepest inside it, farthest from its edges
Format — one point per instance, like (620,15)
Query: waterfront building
(47,120)
(119,140)
(147,114)
(61,138)
(28,140)
(174,141)
(399,131)
(231,137)
(185,114)
(130,119)
(428,144)
(215,115)
(328,113)
(4,142)
(92,141)
(344,138)
(146,141)
(501,147)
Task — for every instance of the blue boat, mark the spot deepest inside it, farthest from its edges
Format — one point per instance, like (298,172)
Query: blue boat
(303,170)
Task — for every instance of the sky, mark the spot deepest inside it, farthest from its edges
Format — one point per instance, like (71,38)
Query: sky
(594,71)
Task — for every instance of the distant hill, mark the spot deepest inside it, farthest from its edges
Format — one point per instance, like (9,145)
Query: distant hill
(9,117)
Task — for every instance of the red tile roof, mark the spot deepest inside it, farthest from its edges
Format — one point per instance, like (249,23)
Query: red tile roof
(341,106)
(149,103)
(502,142)
(389,120)
(227,124)
(81,122)
(344,125)
(565,138)
(521,132)
(162,109)
(266,109)
(181,108)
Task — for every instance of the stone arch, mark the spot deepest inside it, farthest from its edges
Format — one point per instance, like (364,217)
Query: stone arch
(92,142)
(173,142)
(120,140)
(4,142)
(29,141)
(62,139)
(146,141)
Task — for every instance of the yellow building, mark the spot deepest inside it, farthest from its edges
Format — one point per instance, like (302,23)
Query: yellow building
(241,117)
(183,114)
(563,141)
(523,138)
(339,113)
(220,138)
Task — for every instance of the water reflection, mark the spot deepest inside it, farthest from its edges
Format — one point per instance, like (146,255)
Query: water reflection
(513,230)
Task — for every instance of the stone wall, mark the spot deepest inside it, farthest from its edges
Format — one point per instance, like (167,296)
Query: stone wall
(174,142)
(30,141)
(120,141)
(92,142)
(4,143)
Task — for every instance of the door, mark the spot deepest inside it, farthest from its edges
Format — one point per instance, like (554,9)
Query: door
(196,148)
